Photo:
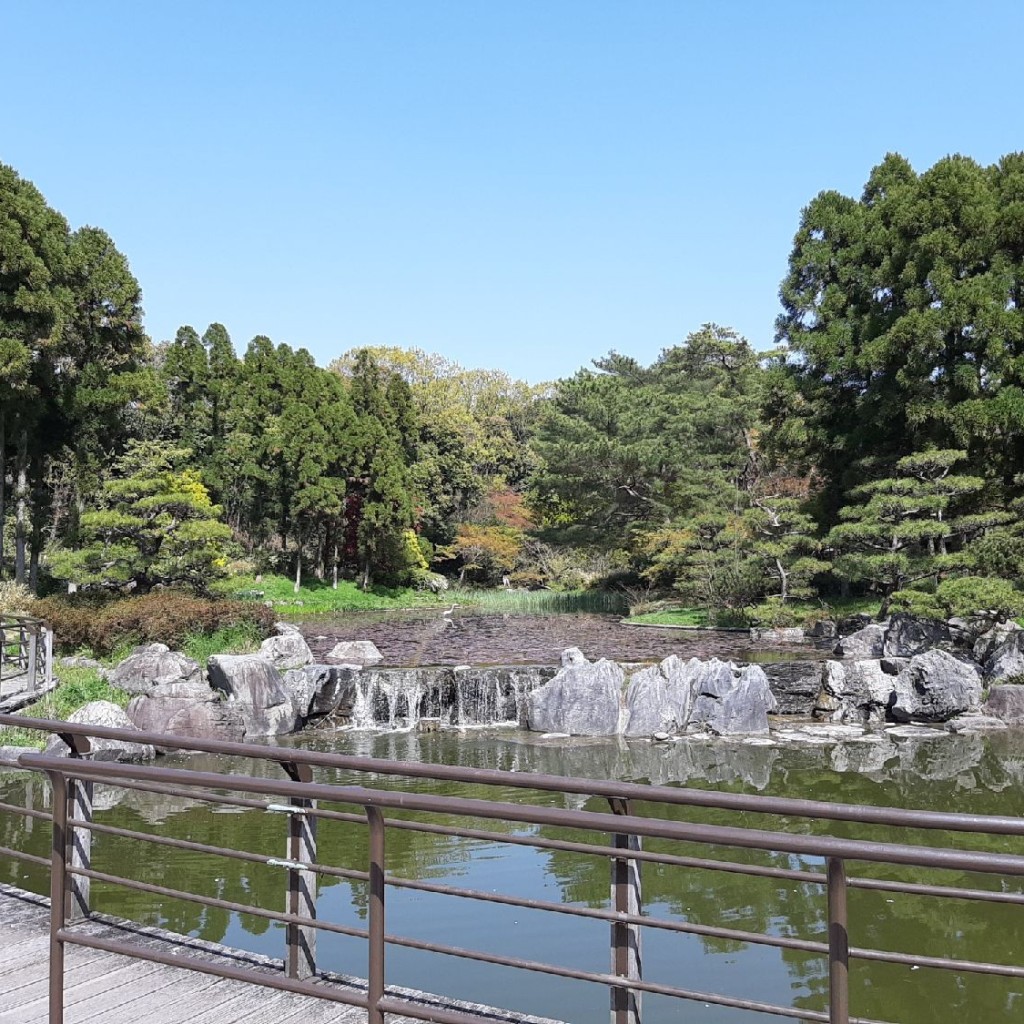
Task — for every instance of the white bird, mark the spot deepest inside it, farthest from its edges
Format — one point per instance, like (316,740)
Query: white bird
(448,611)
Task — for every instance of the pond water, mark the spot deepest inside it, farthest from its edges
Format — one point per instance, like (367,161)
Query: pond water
(939,771)
(410,639)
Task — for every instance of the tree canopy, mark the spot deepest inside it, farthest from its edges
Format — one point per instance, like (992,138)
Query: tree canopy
(878,449)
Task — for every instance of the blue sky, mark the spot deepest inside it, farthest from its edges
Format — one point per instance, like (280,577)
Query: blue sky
(514,185)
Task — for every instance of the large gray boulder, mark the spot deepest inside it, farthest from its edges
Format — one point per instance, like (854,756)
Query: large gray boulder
(795,684)
(154,665)
(319,690)
(257,690)
(286,651)
(190,710)
(581,699)
(1006,659)
(355,652)
(856,691)
(935,687)
(1006,702)
(992,639)
(907,636)
(107,714)
(660,698)
(737,704)
(868,642)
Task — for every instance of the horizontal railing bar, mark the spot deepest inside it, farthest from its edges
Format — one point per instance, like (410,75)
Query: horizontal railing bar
(438,889)
(31,858)
(613,980)
(27,812)
(213,901)
(542,843)
(716,835)
(213,798)
(755,870)
(593,913)
(191,963)
(938,962)
(777,806)
(438,1014)
(221,851)
(950,892)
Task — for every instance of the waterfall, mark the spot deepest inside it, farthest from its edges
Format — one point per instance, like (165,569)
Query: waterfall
(460,697)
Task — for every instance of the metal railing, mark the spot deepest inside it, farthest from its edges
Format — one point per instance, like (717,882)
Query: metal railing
(616,836)
(26,654)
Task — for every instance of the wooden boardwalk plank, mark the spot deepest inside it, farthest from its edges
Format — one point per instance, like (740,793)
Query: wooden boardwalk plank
(109,988)
(110,980)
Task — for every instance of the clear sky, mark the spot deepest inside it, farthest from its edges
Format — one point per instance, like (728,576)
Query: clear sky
(521,185)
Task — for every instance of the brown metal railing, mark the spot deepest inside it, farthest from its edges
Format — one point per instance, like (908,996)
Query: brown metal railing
(618,837)
(26,654)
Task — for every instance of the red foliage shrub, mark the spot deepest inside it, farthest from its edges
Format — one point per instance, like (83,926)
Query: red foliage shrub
(165,616)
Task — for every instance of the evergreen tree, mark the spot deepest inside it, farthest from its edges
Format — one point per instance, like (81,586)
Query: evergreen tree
(155,525)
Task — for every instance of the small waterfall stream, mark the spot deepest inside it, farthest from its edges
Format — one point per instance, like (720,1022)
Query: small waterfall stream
(460,696)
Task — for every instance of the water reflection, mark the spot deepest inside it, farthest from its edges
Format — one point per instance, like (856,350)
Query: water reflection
(960,773)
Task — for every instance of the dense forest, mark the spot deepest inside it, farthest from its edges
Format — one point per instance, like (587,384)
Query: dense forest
(876,451)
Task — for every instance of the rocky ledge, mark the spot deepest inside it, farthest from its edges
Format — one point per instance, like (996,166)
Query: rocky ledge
(901,671)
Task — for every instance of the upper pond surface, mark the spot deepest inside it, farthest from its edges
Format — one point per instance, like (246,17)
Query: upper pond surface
(408,639)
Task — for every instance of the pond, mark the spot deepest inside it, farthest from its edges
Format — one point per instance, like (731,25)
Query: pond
(935,771)
(411,639)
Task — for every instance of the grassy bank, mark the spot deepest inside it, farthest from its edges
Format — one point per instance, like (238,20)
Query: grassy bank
(797,614)
(77,687)
(316,597)
(540,602)
(80,686)
(672,617)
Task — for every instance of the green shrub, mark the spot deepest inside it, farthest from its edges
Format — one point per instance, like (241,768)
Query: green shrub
(966,597)
(773,613)
(77,687)
(163,616)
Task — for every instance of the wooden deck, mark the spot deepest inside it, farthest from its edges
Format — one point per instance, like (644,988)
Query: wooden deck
(106,988)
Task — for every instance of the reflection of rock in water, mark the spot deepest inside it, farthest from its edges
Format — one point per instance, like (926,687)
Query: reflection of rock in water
(869,755)
(686,760)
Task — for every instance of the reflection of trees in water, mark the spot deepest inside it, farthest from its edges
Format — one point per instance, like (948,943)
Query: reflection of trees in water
(949,773)
(957,774)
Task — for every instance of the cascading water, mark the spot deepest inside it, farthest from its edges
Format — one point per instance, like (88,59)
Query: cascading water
(459,697)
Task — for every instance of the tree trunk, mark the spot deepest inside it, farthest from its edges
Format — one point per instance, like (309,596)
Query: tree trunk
(298,563)
(21,526)
(334,569)
(366,575)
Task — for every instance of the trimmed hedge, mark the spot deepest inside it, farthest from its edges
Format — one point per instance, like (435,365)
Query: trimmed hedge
(164,616)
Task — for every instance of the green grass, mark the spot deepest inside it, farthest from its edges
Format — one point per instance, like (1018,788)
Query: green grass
(316,598)
(539,602)
(672,617)
(804,612)
(242,638)
(78,686)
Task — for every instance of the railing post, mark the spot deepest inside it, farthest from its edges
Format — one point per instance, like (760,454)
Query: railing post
(79,806)
(48,655)
(33,650)
(302,885)
(627,898)
(58,894)
(838,944)
(375,972)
